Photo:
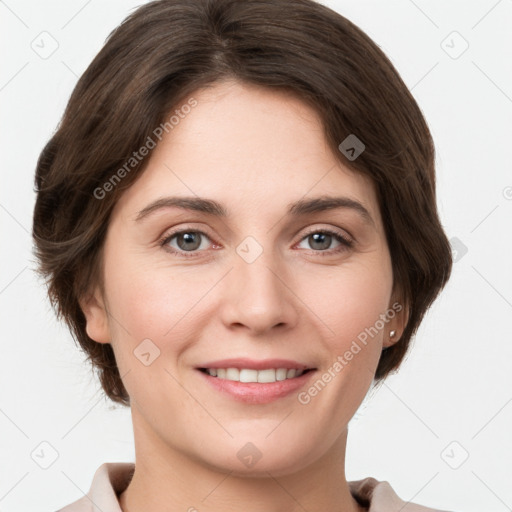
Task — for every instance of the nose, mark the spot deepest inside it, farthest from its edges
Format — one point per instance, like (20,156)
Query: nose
(258,297)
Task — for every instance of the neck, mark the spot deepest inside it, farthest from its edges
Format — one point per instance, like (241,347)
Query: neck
(167,479)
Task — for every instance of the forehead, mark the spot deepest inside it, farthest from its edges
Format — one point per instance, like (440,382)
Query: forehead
(252,149)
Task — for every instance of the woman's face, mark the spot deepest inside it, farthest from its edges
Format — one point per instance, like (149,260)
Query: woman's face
(263,281)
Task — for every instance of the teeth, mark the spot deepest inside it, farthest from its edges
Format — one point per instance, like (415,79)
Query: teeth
(232,374)
(261,376)
(266,376)
(281,373)
(245,376)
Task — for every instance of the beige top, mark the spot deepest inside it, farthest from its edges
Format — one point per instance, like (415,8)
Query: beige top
(112,478)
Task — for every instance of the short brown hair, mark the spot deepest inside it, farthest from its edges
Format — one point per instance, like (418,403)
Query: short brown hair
(168,49)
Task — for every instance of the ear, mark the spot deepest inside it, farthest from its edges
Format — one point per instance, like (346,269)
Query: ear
(398,315)
(96,317)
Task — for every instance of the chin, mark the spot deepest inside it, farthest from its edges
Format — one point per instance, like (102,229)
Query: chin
(258,458)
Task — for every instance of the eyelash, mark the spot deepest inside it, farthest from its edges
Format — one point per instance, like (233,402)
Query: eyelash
(346,243)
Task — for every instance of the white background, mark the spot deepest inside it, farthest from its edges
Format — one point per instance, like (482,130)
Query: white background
(456,384)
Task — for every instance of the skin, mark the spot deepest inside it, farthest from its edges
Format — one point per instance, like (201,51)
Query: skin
(254,151)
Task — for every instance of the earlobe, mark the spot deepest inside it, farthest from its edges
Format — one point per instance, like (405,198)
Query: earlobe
(96,317)
(397,323)
(390,338)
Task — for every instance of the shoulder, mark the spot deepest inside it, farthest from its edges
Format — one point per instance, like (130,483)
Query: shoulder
(379,496)
(109,480)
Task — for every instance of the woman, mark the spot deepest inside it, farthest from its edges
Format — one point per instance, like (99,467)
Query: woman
(237,219)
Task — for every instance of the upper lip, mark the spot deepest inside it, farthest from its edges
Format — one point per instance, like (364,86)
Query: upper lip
(253,364)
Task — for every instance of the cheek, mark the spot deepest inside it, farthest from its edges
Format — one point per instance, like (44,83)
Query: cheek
(350,300)
(153,301)
(151,314)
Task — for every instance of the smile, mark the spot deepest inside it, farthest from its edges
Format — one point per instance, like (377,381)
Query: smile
(256,381)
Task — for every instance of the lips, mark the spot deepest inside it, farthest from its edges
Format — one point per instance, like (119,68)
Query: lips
(256,382)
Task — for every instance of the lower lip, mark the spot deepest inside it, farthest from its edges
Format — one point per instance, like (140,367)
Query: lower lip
(254,392)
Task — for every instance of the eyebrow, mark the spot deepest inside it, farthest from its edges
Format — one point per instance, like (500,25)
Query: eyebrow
(298,208)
